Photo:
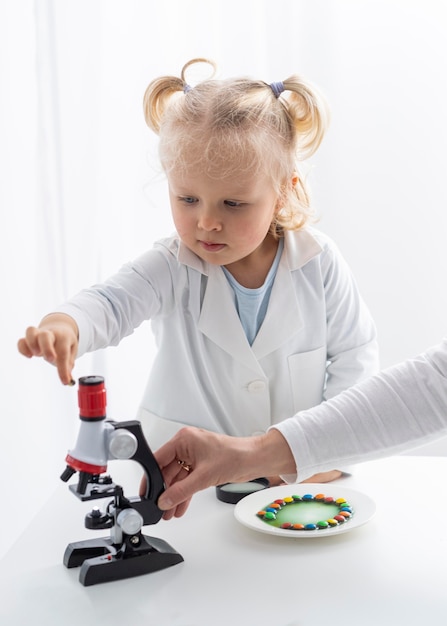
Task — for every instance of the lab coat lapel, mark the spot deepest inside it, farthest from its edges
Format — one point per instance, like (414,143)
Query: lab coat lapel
(220,322)
(283,318)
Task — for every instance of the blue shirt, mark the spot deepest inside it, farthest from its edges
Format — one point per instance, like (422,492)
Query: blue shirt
(251,304)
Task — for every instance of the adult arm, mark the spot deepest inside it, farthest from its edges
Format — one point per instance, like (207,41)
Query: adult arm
(402,407)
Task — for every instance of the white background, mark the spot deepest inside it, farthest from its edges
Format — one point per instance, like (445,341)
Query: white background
(80,192)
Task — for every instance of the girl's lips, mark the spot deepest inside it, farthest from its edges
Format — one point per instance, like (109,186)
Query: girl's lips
(212,247)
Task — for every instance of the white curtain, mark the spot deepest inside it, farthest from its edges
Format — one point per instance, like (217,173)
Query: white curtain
(81,193)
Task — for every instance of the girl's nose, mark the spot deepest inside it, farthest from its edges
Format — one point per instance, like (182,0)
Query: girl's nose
(209,220)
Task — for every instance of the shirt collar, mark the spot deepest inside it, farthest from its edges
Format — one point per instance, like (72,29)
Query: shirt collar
(300,246)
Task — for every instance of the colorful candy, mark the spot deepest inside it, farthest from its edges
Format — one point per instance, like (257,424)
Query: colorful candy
(270,513)
(323,524)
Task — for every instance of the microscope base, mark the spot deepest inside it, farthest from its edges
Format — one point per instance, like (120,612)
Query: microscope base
(101,561)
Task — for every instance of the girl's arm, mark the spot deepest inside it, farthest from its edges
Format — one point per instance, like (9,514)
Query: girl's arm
(101,315)
(352,348)
(56,340)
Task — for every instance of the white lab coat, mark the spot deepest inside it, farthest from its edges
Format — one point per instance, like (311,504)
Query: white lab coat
(317,338)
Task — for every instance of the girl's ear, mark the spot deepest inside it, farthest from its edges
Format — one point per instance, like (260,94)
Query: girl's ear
(279,203)
(285,191)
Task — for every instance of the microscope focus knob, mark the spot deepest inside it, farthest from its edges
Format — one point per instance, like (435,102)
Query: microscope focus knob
(130,521)
(122,444)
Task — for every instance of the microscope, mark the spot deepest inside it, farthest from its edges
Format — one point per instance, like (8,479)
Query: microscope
(126,552)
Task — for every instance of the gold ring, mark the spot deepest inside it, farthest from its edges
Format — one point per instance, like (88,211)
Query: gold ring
(185,465)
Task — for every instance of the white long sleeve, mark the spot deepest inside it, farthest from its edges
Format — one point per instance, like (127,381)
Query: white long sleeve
(402,407)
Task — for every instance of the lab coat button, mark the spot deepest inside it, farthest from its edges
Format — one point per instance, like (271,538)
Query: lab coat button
(256,385)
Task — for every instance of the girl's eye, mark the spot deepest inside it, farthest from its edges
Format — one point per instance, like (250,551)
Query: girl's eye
(233,203)
(187,199)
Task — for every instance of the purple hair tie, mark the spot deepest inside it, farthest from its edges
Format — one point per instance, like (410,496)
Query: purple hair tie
(186,88)
(277,88)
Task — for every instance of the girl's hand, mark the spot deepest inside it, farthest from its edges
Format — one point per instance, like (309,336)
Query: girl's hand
(324,477)
(56,340)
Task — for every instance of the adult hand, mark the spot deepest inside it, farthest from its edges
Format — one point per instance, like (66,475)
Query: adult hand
(56,340)
(195,459)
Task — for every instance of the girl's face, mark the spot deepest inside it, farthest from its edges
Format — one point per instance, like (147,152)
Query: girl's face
(224,221)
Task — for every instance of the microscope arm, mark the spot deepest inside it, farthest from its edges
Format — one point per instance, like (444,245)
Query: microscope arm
(146,505)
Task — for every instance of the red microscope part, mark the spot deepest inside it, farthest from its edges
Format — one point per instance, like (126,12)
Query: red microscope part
(89,456)
(127,552)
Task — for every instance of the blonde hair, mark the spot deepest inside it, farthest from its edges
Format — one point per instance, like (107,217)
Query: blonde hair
(240,124)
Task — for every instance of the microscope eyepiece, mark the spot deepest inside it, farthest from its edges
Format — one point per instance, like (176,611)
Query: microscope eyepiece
(92,398)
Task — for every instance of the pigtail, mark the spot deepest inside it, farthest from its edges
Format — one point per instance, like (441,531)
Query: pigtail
(306,118)
(308,113)
(156,97)
(187,87)
(161,91)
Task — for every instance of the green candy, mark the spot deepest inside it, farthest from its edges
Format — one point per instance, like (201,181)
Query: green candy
(269,515)
(322,524)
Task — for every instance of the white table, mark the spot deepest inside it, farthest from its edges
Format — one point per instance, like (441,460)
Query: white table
(391,571)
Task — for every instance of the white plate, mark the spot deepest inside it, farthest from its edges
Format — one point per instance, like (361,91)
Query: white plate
(246,509)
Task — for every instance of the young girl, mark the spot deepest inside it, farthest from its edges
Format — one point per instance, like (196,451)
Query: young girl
(256,315)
